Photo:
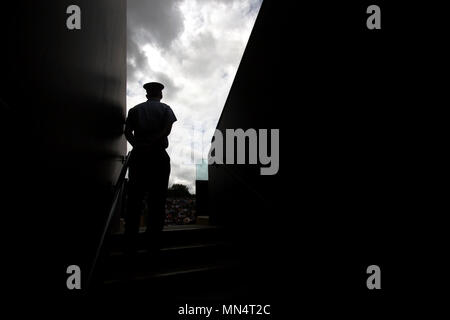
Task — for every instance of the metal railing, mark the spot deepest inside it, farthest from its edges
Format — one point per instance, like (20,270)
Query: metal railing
(118,192)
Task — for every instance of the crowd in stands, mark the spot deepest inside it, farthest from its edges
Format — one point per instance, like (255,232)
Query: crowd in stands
(180,208)
(180,211)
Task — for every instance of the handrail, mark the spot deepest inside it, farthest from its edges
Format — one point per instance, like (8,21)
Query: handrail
(117,190)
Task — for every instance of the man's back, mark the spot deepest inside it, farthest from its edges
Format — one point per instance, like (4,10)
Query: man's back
(148,119)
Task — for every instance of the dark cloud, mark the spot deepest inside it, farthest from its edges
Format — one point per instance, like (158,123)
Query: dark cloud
(171,89)
(151,21)
(254,4)
(155,21)
(137,61)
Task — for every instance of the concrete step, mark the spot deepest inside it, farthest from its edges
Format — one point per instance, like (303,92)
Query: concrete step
(195,280)
(190,255)
(174,236)
(170,256)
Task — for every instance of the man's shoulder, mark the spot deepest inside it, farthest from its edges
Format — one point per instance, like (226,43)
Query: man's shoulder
(154,105)
(158,103)
(160,106)
(138,106)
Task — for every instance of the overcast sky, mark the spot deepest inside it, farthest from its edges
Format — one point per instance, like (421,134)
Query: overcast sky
(194,48)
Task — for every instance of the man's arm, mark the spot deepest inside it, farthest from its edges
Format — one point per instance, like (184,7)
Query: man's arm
(165,131)
(129,132)
(157,137)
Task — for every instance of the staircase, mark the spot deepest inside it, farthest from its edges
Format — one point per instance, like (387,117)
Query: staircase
(196,262)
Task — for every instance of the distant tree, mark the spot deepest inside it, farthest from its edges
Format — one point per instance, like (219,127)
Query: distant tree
(179,191)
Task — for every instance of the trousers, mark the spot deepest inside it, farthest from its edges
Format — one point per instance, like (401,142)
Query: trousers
(148,176)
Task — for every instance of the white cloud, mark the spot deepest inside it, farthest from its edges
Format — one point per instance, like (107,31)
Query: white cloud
(194,47)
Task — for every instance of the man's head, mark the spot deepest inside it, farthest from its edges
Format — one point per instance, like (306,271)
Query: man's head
(154,90)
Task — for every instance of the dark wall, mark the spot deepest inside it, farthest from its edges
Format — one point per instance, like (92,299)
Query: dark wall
(353,107)
(63,108)
(201,197)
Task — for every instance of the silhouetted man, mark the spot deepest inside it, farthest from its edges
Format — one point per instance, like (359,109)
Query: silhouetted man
(147,127)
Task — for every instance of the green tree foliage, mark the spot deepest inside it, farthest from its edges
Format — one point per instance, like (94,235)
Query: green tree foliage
(179,191)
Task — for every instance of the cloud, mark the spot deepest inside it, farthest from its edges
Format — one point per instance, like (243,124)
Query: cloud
(156,22)
(194,47)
